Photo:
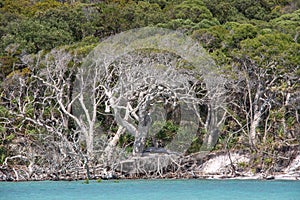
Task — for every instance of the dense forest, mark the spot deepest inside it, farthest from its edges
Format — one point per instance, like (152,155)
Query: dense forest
(255,45)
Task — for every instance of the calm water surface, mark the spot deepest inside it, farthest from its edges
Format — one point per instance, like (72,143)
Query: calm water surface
(152,189)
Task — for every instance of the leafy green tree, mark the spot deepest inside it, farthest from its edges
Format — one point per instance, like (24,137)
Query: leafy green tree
(242,32)
(8,63)
(273,47)
(194,10)
(184,25)
(33,36)
(224,11)
(289,24)
(28,8)
(107,20)
(161,3)
(270,64)
(213,38)
(207,23)
(144,14)
(77,21)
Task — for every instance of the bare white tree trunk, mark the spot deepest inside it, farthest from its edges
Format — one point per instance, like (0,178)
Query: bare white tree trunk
(109,149)
(143,128)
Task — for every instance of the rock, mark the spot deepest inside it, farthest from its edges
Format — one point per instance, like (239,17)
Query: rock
(108,176)
(294,166)
(269,177)
(146,164)
(220,163)
(156,150)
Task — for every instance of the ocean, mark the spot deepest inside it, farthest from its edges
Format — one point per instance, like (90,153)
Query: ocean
(152,190)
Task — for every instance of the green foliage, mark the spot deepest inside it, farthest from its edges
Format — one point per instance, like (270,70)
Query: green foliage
(7,64)
(10,137)
(28,8)
(273,47)
(207,23)
(268,161)
(3,154)
(167,132)
(126,141)
(289,24)
(75,21)
(2,129)
(50,24)
(83,47)
(212,38)
(116,17)
(4,112)
(242,32)
(162,3)
(195,146)
(21,7)
(183,25)
(6,136)
(146,14)
(34,35)
(194,10)
(242,165)
(224,11)
(86,181)
(241,10)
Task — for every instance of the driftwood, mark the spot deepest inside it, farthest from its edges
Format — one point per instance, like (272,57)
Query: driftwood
(151,166)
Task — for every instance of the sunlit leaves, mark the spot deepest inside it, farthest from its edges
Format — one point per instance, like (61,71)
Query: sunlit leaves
(273,47)
(194,10)
(34,35)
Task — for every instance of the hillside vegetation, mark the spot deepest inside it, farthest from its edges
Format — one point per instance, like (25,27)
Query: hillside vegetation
(255,44)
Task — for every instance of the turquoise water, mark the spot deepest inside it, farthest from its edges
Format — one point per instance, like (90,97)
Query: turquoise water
(152,189)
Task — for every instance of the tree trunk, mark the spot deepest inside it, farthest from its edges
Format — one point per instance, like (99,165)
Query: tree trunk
(144,125)
(90,144)
(255,113)
(253,127)
(109,149)
(285,110)
(212,128)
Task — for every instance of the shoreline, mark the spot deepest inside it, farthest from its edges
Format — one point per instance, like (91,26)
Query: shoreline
(215,167)
(259,177)
(138,179)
